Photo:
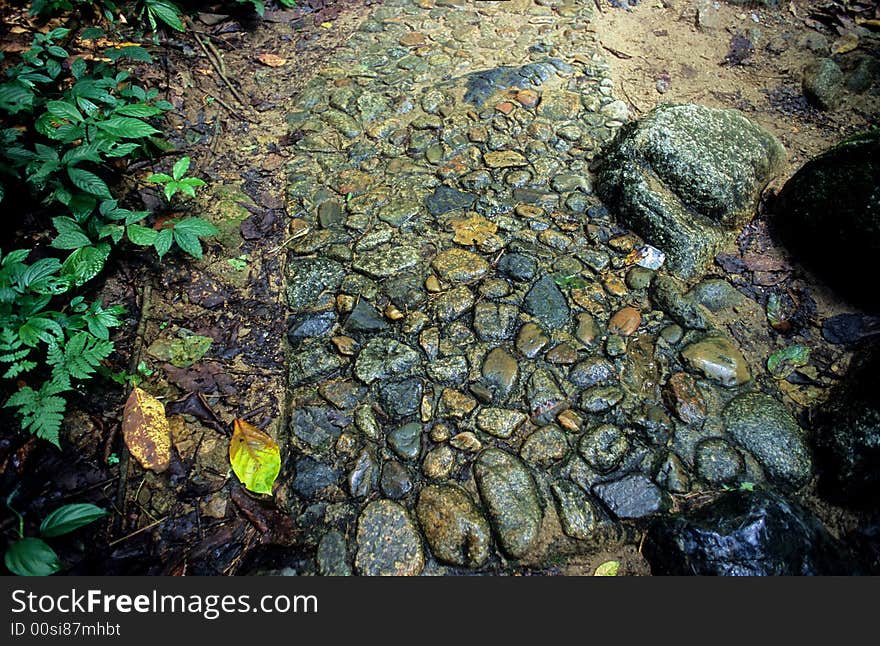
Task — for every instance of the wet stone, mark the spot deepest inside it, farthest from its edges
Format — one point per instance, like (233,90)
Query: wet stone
(455,404)
(504,159)
(603,447)
(406,440)
(364,475)
(559,105)
(445,199)
(587,329)
(718,462)
(509,495)
(499,422)
(763,426)
(544,447)
(396,481)
(563,354)
(384,358)
(381,263)
(633,496)
(625,321)
(460,265)
(577,514)
(531,340)
(600,399)
(672,474)
(719,360)
(365,318)
(313,477)
(388,543)
(401,398)
(448,370)
(309,325)
(594,371)
(312,363)
(439,462)
(500,371)
(544,396)
(547,303)
(308,278)
(455,529)
(639,278)
(453,303)
(685,399)
(517,266)
(495,322)
(332,556)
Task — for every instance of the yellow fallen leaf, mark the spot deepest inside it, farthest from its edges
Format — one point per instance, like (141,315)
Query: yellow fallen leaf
(272,60)
(846,43)
(255,457)
(326,25)
(472,230)
(146,431)
(608,568)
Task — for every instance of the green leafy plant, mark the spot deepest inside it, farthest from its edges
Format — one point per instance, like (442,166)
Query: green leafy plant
(176,181)
(32,556)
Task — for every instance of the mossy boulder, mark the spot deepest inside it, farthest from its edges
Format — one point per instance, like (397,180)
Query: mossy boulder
(687,178)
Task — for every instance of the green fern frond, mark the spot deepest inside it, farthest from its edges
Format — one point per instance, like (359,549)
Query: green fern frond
(80,356)
(42,411)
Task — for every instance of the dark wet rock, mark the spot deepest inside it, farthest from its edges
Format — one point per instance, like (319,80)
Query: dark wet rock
(499,422)
(545,447)
(687,178)
(388,543)
(455,529)
(603,447)
(718,462)
(577,513)
(531,340)
(313,477)
(448,370)
(364,475)
(615,345)
(500,372)
(483,84)
(381,263)
(828,214)
(685,399)
(587,330)
(396,481)
(633,496)
(716,294)
(493,322)
(823,83)
(406,440)
(439,462)
(445,199)
(764,427)
(718,359)
(517,266)
(672,475)
(308,278)
(308,325)
(668,295)
(547,303)
(405,290)
(401,398)
(332,556)
(845,329)
(745,534)
(365,318)
(453,303)
(317,427)
(847,434)
(385,358)
(600,398)
(595,371)
(545,398)
(639,278)
(511,499)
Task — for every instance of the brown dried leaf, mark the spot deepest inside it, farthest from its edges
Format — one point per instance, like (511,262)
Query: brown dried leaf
(272,60)
(472,230)
(146,430)
(846,43)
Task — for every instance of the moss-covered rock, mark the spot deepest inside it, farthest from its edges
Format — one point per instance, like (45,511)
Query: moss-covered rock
(687,178)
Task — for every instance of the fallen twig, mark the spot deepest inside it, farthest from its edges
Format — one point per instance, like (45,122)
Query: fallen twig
(137,531)
(217,65)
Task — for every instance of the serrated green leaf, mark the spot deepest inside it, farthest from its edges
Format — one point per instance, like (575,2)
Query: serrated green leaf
(196,227)
(166,12)
(163,242)
(89,182)
(70,234)
(69,518)
(188,243)
(31,557)
(160,178)
(138,110)
(180,168)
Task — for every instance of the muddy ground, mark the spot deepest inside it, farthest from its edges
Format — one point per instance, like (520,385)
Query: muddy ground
(194,519)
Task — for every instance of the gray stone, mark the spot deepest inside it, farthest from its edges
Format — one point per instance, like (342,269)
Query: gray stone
(687,178)
(545,447)
(718,359)
(823,83)
(511,499)
(718,462)
(332,555)
(493,322)
(764,427)
(548,304)
(577,514)
(313,477)
(365,318)
(406,441)
(388,543)
(384,358)
(603,447)
(381,263)
(401,398)
(396,481)
(633,496)
(500,422)
(308,278)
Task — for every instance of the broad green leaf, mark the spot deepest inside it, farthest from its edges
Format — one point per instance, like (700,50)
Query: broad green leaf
(86,263)
(64,110)
(31,557)
(126,127)
(160,178)
(189,243)
(140,235)
(170,190)
(608,568)
(196,227)
(89,182)
(255,457)
(783,362)
(69,518)
(166,12)
(70,234)
(163,242)
(16,97)
(180,168)
(38,329)
(138,110)
(146,430)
